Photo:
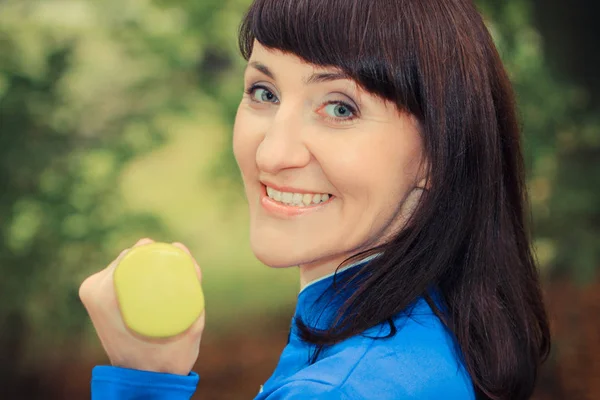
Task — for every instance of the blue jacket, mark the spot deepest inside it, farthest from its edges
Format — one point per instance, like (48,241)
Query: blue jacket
(419,362)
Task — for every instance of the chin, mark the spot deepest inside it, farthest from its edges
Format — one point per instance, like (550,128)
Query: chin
(273,259)
(277,253)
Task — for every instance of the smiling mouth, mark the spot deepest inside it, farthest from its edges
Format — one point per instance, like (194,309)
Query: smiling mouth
(298,199)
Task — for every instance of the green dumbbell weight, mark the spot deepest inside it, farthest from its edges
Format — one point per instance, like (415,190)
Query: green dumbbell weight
(158,290)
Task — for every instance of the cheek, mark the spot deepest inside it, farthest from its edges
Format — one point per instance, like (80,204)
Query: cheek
(369,171)
(372,177)
(245,141)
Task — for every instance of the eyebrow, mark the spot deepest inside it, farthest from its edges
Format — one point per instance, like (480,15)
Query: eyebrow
(262,68)
(314,78)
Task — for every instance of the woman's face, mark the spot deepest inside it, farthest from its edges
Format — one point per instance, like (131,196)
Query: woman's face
(326,166)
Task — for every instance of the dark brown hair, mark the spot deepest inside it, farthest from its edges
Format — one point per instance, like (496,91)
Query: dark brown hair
(467,239)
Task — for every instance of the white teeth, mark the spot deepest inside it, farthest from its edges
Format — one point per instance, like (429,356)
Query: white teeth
(287,197)
(297,199)
(307,199)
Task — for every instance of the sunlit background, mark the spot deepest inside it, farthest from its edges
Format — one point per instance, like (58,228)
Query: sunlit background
(115,124)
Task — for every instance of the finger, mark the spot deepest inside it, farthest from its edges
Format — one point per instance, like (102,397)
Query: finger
(90,281)
(110,269)
(143,241)
(184,248)
(104,292)
(87,289)
(90,286)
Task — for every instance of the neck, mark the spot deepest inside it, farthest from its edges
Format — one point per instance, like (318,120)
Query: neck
(313,272)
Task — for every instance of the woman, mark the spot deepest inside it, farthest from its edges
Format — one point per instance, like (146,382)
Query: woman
(379,136)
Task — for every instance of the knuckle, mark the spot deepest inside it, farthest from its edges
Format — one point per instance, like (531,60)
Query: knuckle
(85,289)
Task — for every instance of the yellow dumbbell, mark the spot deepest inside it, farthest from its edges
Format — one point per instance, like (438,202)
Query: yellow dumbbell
(158,290)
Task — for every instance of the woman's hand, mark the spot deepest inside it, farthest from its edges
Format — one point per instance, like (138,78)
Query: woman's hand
(175,355)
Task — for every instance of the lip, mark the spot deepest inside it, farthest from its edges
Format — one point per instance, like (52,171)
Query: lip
(283,210)
(287,188)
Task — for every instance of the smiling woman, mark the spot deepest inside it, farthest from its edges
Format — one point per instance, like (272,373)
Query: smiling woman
(379,150)
(304,131)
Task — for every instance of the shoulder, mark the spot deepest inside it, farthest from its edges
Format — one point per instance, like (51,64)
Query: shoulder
(301,389)
(419,362)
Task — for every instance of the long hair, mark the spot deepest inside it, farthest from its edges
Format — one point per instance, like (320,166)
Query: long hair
(467,239)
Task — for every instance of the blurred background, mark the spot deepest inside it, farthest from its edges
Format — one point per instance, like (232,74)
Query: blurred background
(115,124)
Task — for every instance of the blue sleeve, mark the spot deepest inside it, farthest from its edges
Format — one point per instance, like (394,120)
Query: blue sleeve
(114,383)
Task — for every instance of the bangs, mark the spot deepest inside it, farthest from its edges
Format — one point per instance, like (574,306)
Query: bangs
(366,39)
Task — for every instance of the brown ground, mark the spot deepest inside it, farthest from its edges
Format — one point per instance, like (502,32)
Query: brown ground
(232,367)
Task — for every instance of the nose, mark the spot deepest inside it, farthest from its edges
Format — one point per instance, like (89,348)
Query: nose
(283,146)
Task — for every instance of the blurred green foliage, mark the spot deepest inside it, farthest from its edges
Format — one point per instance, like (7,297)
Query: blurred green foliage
(88,89)
(84,87)
(561,137)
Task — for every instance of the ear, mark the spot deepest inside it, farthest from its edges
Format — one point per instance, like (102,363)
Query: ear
(409,205)
(423,184)
(424,173)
